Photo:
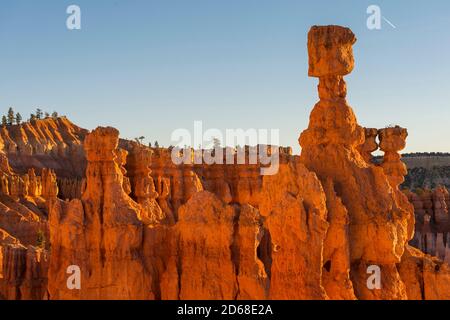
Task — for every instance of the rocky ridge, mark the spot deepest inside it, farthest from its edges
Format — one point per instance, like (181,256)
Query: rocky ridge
(140,227)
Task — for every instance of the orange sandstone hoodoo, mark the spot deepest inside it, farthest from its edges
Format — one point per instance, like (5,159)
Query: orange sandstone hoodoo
(370,220)
(374,219)
(140,227)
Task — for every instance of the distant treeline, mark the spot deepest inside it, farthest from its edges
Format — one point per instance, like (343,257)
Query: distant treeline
(426,154)
(379,158)
(12,118)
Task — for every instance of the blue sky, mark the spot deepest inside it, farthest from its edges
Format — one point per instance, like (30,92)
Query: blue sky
(150,67)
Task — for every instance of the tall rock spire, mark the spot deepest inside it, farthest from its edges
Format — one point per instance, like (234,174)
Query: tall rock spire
(375,219)
(102,233)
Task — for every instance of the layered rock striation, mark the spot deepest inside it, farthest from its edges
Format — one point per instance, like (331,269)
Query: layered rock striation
(51,143)
(124,221)
(432,229)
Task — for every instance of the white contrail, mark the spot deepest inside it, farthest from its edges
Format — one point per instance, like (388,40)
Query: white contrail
(390,23)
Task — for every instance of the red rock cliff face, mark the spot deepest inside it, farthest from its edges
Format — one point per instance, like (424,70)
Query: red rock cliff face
(214,250)
(102,233)
(53,143)
(264,259)
(140,227)
(23,234)
(23,271)
(432,229)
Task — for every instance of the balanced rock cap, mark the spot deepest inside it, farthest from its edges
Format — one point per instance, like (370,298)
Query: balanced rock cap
(330,51)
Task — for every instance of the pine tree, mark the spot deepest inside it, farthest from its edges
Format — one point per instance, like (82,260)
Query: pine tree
(4,121)
(10,117)
(18,118)
(33,117)
(47,115)
(38,113)
(156,144)
(54,114)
